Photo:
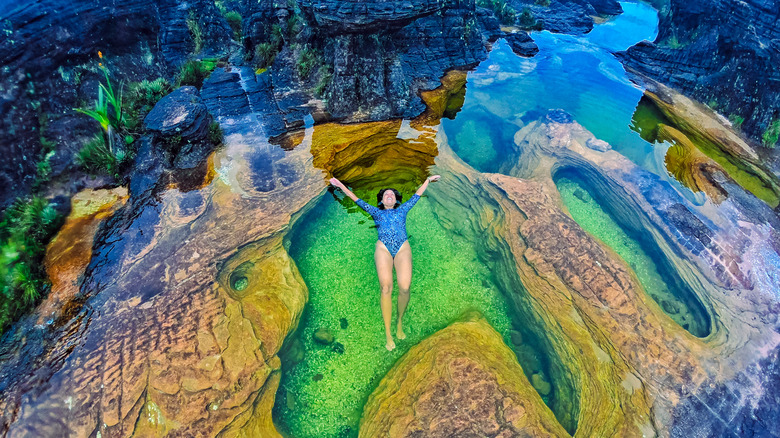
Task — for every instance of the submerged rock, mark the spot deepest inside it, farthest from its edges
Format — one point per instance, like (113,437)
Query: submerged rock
(323,336)
(461,380)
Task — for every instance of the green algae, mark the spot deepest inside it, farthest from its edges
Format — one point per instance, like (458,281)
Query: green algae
(645,121)
(588,213)
(323,395)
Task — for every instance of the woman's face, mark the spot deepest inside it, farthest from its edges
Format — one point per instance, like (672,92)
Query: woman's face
(388,199)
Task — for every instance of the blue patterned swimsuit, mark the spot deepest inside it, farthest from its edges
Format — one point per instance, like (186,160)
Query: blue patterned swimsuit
(391,224)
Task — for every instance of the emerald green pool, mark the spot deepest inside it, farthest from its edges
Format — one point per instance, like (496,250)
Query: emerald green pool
(658,281)
(334,250)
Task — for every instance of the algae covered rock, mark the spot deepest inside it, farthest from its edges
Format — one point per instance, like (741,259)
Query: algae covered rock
(463,380)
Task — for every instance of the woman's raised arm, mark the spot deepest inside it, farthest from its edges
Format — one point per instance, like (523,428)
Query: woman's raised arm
(424,185)
(339,184)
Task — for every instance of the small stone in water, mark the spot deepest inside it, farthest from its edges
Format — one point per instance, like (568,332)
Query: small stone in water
(344,323)
(516,336)
(338,347)
(317,377)
(323,336)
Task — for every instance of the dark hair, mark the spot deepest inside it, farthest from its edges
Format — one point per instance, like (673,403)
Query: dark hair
(398,198)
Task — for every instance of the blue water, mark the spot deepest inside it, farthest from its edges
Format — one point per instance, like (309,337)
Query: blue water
(578,74)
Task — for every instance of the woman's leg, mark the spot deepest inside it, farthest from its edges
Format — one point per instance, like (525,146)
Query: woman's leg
(384,269)
(403,272)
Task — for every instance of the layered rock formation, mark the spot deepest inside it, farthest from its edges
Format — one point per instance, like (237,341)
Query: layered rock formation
(724,53)
(460,381)
(166,340)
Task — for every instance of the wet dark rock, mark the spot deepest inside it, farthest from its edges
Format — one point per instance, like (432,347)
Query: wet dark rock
(516,337)
(350,16)
(49,57)
(559,116)
(180,114)
(720,52)
(317,377)
(338,347)
(379,76)
(323,336)
(746,406)
(567,16)
(522,44)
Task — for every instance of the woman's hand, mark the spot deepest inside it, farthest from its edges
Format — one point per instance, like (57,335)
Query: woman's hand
(336,183)
(434,178)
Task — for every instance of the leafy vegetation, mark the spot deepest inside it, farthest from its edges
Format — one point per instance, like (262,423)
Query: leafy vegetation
(194,72)
(308,58)
(325,74)
(527,21)
(772,134)
(215,133)
(736,121)
(141,98)
(506,14)
(266,52)
(234,20)
(197,35)
(25,229)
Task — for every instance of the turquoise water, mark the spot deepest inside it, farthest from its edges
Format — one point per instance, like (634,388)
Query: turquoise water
(578,74)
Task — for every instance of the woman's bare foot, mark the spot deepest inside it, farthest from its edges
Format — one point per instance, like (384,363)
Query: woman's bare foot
(399,333)
(390,344)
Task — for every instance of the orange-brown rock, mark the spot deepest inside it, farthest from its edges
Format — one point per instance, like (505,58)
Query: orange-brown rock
(461,381)
(69,252)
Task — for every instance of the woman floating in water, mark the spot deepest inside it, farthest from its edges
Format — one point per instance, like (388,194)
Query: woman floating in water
(392,249)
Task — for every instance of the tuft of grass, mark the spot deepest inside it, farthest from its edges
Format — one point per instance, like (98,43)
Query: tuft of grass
(195,32)
(234,20)
(96,158)
(265,53)
(308,58)
(505,13)
(325,73)
(736,121)
(772,134)
(216,135)
(25,229)
(141,98)
(527,21)
(194,73)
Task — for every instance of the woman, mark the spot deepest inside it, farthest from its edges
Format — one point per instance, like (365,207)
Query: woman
(392,249)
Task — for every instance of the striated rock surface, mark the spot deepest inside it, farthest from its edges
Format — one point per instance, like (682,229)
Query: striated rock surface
(460,381)
(354,16)
(187,298)
(722,52)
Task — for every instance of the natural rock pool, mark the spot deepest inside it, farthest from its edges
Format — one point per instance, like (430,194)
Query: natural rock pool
(600,257)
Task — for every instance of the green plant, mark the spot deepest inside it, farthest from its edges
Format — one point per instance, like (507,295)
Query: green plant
(325,73)
(25,229)
(772,134)
(234,20)
(108,120)
(307,59)
(527,20)
(294,25)
(736,121)
(505,13)
(96,158)
(197,35)
(141,98)
(215,133)
(194,72)
(265,53)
